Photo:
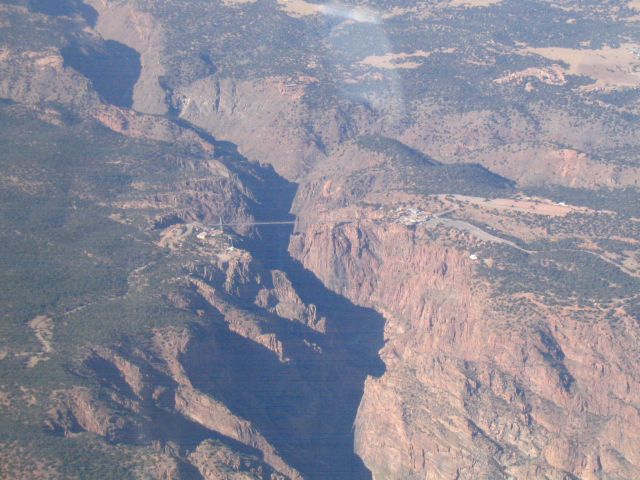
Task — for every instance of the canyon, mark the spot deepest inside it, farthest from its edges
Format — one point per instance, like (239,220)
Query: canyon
(227,256)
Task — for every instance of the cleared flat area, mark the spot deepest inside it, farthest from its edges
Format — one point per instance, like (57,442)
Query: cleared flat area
(474,3)
(302,8)
(475,231)
(395,60)
(299,8)
(537,206)
(609,67)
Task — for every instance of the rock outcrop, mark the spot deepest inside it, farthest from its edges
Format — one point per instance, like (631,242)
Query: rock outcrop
(215,462)
(212,414)
(78,409)
(429,320)
(470,391)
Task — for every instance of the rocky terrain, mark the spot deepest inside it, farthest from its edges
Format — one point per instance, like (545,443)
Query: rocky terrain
(283,239)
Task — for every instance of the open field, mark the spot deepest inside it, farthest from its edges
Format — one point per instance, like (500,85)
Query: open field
(395,60)
(610,68)
(474,3)
(536,206)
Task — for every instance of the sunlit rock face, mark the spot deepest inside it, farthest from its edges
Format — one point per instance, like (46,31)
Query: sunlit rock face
(284,240)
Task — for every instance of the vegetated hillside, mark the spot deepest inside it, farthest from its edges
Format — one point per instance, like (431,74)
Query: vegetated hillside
(448,290)
(407,169)
(379,165)
(121,289)
(459,82)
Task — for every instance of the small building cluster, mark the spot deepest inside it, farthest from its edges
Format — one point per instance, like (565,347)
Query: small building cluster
(635,51)
(206,233)
(413,216)
(216,237)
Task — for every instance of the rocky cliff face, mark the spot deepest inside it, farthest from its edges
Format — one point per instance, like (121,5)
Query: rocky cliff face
(138,30)
(424,301)
(471,391)
(481,380)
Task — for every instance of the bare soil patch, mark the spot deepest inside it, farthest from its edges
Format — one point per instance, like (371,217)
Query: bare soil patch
(610,68)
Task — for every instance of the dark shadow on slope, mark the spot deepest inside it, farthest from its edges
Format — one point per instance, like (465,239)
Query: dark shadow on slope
(156,420)
(305,408)
(112,67)
(66,8)
(358,329)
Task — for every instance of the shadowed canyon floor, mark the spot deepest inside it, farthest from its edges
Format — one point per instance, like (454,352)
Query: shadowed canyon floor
(260,240)
(306,408)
